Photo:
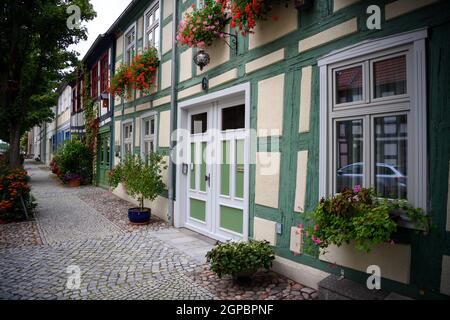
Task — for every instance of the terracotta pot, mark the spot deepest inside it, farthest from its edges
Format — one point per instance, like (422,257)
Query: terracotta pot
(75,183)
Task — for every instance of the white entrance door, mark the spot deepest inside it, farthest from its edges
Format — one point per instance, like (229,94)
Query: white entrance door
(217,195)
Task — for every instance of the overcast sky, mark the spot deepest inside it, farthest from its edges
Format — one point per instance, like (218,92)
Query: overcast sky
(107,12)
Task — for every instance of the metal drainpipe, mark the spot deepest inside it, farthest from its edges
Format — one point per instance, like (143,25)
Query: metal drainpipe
(173,112)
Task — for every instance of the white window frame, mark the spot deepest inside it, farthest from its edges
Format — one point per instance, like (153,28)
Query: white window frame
(126,47)
(415,104)
(155,27)
(144,139)
(127,140)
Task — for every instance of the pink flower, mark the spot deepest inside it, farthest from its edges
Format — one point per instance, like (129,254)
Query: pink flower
(316,227)
(307,234)
(301,226)
(201,44)
(357,189)
(318,241)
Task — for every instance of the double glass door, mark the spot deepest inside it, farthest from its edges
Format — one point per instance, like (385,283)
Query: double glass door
(218,171)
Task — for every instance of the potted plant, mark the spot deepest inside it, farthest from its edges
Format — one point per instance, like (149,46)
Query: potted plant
(358,216)
(241,260)
(72,179)
(142,180)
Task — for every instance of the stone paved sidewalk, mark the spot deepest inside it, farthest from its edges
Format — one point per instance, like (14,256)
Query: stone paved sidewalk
(62,215)
(110,267)
(86,228)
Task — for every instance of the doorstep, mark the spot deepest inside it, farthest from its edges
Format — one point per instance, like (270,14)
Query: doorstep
(189,242)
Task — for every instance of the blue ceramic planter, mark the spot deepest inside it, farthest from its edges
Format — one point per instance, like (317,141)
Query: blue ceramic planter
(139,217)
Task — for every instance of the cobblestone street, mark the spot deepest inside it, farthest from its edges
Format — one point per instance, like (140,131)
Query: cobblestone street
(114,264)
(77,228)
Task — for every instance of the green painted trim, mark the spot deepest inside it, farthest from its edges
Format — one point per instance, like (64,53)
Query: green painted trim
(225,169)
(232,219)
(203,148)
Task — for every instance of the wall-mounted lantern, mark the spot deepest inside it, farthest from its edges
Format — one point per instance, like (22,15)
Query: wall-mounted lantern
(303,4)
(202,59)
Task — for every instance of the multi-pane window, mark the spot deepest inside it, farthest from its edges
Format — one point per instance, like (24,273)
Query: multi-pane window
(152,26)
(149,137)
(130,45)
(127,139)
(370,113)
(104,72)
(104,79)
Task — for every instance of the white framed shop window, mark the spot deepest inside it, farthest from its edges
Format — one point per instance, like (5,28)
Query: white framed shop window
(148,134)
(373,118)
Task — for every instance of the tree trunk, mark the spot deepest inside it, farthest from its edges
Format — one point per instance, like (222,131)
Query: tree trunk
(141,202)
(14,148)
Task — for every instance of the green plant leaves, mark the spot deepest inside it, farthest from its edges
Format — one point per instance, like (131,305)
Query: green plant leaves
(234,258)
(141,177)
(357,217)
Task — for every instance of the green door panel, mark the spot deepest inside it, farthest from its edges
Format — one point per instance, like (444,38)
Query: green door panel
(198,209)
(203,168)
(240,169)
(232,219)
(103,159)
(225,169)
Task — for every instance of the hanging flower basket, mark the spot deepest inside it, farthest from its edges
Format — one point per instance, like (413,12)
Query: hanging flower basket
(201,27)
(140,75)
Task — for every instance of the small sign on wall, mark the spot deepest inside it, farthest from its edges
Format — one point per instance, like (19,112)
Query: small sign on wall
(296,240)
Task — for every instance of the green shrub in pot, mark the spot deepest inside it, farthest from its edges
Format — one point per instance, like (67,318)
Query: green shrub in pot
(240,258)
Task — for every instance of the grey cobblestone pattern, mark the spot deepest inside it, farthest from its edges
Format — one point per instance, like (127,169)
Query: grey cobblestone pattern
(113,264)
(131,266)
(61,215)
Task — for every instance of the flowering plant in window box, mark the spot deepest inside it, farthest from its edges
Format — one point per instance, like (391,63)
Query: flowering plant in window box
(143,70)
(140,75)
(358,216)
(201,27)
(245,13)
(121,81)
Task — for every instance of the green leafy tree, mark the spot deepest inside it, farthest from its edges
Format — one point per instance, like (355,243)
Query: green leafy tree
(34,42)
(141,177)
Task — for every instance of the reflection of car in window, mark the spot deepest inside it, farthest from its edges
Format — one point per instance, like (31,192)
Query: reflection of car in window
(391,182)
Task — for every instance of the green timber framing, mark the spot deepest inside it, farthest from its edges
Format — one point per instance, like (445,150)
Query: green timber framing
(279,55)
